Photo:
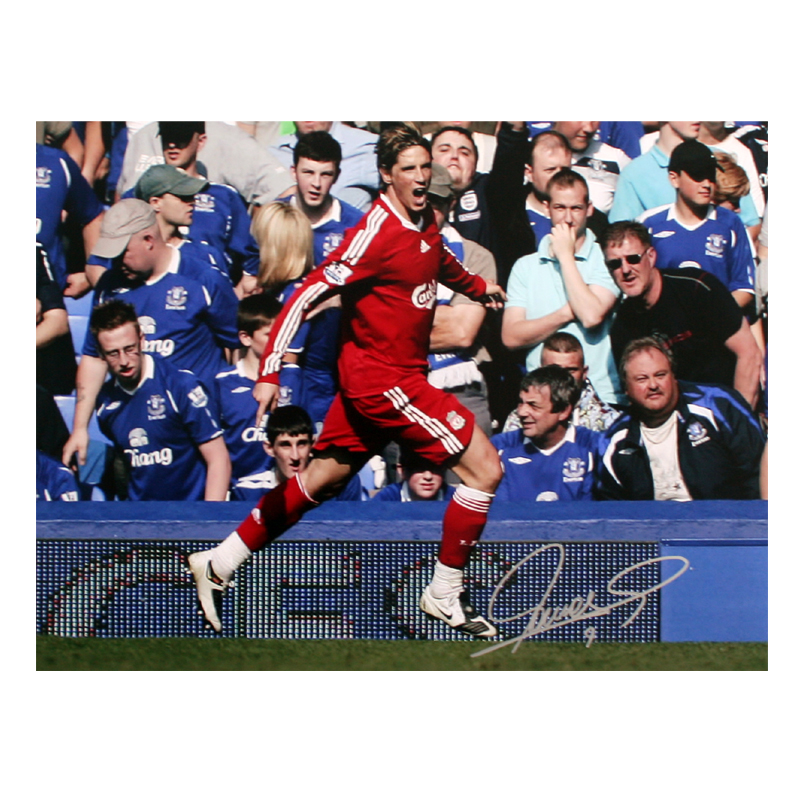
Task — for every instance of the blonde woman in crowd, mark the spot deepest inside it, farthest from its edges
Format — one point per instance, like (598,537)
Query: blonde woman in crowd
(286,246)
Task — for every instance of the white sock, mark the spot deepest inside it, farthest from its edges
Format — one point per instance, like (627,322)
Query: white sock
(446,580)
(229,555)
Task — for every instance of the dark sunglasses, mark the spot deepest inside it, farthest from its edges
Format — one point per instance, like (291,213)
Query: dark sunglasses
(615,263)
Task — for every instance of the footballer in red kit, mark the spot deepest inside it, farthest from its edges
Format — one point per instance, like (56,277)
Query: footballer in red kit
(386,271)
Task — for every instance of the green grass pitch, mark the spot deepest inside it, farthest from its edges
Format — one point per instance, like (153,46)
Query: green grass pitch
(54,653)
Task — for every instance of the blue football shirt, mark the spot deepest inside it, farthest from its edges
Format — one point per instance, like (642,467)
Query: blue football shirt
(237,409)
(719,244)
(566,472)
(186,315)
(158,428)
(60,187)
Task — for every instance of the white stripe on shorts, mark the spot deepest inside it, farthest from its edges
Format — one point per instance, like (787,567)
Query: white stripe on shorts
(433,426)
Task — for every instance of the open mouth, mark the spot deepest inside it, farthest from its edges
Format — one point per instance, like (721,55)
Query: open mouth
(419,192)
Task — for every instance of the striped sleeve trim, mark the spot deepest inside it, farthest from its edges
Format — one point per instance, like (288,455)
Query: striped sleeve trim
(364,237)
(290,326)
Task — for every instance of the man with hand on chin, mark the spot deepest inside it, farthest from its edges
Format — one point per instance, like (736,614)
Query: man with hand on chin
(565,286)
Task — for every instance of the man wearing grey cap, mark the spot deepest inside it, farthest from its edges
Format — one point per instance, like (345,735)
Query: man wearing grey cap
(455,349)
(171,194)
(187,310)
(220,214)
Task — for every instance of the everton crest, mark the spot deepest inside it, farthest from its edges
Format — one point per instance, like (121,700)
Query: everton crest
(156,407)
(574,470)
(697,433)
(715,245)
(176,298)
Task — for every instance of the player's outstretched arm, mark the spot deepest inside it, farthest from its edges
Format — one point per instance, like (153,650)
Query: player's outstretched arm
(495,296)
(266,394)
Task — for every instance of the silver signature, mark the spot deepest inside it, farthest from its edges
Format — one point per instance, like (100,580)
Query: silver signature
(544,618)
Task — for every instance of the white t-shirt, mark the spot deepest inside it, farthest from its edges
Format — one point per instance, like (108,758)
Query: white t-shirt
(661,444)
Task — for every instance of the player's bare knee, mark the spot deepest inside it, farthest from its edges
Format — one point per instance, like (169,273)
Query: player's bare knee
(484,474)
(328,474)
(494,472)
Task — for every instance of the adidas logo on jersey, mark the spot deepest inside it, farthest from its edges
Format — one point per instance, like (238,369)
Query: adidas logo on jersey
(424,246)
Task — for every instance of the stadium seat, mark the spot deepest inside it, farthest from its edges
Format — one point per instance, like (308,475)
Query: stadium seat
(66,405)
(90,473)
(78,325)
(82,307)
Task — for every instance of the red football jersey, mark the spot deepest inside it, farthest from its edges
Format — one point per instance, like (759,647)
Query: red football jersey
(386,270)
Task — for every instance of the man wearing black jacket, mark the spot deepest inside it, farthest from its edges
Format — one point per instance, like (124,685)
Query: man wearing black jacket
(680,441)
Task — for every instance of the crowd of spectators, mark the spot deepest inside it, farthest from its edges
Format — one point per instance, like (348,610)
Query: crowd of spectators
(629,361)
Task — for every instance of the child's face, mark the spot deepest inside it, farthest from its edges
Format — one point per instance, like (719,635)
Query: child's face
(291,453)
(260,339)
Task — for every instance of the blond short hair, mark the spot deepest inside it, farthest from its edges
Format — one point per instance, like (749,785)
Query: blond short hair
(732,182)
(285,243)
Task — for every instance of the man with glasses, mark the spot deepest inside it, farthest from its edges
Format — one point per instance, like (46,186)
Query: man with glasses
(565,286)
(688,309)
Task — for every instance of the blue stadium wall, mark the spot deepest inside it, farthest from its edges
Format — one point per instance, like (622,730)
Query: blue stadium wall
(629,572)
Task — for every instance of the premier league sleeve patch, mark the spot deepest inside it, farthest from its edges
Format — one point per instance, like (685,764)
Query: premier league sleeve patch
(337,273)
(198,397)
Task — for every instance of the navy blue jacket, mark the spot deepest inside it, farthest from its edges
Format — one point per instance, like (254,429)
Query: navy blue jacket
(720,444)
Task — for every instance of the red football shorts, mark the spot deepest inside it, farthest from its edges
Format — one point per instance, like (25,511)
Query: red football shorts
(427,420)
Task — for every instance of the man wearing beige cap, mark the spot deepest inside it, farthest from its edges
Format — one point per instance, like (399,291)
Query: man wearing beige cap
(187,311)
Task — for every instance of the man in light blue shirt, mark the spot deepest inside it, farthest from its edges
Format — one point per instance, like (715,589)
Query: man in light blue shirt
(645,184)
(565,286)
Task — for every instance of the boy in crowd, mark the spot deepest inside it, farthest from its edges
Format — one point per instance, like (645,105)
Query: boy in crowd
(423,480)
(234,390)
(288,440)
